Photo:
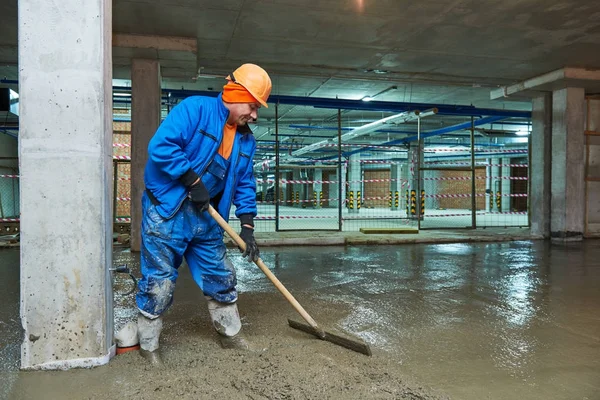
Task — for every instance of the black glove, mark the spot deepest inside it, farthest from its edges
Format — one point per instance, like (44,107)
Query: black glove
(200,196)
(198,193)
(252,252)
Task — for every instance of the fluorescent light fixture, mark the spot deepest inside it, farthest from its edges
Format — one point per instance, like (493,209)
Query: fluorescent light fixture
(371,98)
(522,132)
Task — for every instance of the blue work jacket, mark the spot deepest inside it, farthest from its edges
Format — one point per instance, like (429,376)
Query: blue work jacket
(190,137)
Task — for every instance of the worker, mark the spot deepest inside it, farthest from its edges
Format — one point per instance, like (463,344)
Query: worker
(201,154)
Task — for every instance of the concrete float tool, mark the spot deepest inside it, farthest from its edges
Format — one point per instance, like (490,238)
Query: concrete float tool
(312,327)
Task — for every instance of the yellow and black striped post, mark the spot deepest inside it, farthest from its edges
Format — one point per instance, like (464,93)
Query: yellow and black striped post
(315,199)
(390,199)
(407,204)
(358,200)
(321,198)
(499,200)
(396,199)
(491,201)
(351,200)
(297,197)
(422,202)
(413,202)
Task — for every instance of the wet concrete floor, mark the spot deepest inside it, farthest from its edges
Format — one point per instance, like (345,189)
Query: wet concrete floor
(468,321)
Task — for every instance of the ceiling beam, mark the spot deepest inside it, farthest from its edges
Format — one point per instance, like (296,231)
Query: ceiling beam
(558,79)
(389,106)
(171,43)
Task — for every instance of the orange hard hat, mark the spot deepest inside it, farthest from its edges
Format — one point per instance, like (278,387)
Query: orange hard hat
(255,80)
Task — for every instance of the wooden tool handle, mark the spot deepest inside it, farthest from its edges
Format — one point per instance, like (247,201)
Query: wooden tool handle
(242,245)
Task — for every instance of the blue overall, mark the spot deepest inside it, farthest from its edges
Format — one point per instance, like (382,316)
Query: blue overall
(186,231)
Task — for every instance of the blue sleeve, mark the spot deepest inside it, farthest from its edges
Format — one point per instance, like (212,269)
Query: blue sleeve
(166,148)
(244,197)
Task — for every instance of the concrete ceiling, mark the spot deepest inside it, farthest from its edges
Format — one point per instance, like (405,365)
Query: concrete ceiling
(435,51)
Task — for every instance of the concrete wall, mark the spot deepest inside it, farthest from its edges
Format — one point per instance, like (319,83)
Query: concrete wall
(592,195)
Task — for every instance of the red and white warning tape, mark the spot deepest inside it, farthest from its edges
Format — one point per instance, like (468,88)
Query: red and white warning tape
(380,162)
(121,157)
(9,176)
(467,178)
(9,219)
(479,164)
(302,182)
(508,213)
(365,217)
(123,198)
(522,151)
(444,196)
(121,144)
(448,215)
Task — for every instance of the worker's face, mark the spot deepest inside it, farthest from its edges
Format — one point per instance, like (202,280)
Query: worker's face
(242,113)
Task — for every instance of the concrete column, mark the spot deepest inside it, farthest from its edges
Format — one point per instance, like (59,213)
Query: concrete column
(405,174)
(413,181)
(505,183)
(489,187)
(334,190)
(145,118)
(568,194)
(396,186)
(354,178)
(540,161)
(318,186)
(65,151)
(345,186)
(296,188)
(496,181)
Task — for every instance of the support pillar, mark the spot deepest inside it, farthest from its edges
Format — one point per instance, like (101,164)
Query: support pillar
(496,182)
(505,184)
(354,180)
(145,119)
(297,188)
(405,174)
(540,161)
(568,194)
(396,186)
(318,185)
(414,176)
(489,200)
(65,153)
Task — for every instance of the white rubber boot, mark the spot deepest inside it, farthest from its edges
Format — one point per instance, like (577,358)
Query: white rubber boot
(225,318)
(227,323)
(128,335)
(149,332)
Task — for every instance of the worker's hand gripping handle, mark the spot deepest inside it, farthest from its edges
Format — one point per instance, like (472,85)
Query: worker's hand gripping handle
(259,262)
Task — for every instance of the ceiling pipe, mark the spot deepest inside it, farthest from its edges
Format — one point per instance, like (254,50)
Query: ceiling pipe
(333,128)
(436,132)
(443,109)
(389,106)
(357,132)
(368,128)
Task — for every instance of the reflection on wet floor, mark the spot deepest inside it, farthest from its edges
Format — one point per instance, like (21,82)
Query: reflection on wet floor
(496,320)
(476,321)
